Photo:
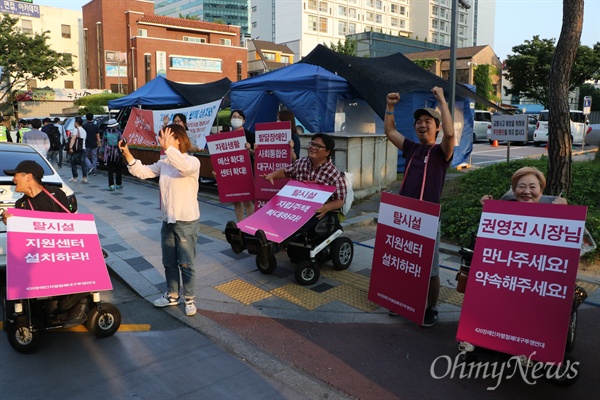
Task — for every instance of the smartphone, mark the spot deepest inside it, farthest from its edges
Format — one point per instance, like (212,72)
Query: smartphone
(123,142)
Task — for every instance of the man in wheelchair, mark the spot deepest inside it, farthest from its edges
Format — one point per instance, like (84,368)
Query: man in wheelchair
(320,232)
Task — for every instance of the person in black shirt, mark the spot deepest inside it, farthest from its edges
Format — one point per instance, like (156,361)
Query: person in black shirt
(39,197)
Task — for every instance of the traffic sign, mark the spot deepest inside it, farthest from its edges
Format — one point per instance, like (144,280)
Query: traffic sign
(587,105)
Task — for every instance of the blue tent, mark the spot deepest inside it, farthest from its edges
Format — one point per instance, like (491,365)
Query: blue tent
(310,91)
(157,92)
(163,93)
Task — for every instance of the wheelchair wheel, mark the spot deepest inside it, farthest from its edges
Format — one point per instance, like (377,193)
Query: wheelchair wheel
(23,339)
(267,266)
(307,273)
(342,252)
(103,322)
(572,331)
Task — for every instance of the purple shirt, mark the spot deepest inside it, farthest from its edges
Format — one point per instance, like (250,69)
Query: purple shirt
(415,155)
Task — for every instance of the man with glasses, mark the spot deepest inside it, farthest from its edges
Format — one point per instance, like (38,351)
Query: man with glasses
(317,167)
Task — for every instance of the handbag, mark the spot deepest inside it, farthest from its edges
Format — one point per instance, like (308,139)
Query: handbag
(77,144)
(462,277)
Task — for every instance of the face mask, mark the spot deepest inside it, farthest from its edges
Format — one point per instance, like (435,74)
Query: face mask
(237,123)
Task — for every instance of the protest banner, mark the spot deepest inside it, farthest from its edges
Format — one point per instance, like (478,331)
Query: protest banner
(52,254)
(272,153)
(403,255)
(140,128)
(520,288)
(288,210)
(231,162)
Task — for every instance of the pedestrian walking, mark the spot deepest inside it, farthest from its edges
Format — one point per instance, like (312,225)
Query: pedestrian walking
(77,151)
(112,154)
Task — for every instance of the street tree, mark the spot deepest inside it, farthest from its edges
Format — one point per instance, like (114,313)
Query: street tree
(25,57)
(559,127)
(528,70)
(348,47)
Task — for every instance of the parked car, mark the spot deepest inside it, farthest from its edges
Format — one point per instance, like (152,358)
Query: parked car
(531,124)
(482,125)
(579,127)
(12,155)
(593,135)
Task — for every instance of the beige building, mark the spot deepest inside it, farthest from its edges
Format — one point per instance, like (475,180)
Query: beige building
(467,60)
(267,56)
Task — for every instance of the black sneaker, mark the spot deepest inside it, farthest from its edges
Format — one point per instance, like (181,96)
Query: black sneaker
(431,314)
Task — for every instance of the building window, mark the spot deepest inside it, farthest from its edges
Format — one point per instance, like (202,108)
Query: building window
(285,59)
(369,17)
(226,42)
(147,67)
(342,11)
(69,85)
(254,24)
(402,23)
(269,56)
(194,39)
(143,32)
(352,13)
(312,23)
(393,8)
(253,8)
(342,28)
(394,22)
(378,4)
(379,18)
(322,25)
(66,31)
(351,28)
(370,3)
(312,4)
(434,23)
(403,11)
(239,71)
(323,6)
(27,26)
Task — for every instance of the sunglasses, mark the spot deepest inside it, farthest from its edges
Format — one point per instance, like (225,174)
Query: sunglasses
(317,145)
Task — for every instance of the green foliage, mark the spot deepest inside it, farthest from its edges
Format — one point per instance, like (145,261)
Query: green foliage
(348,47)
(425,63)
(483,84)
(26,57)
(190,17)
(92,108)
(100,99)
(461,208)
(223,116)
(528,69)
(589,90)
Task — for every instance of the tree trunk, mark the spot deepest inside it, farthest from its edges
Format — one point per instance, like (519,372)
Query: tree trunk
(559,127)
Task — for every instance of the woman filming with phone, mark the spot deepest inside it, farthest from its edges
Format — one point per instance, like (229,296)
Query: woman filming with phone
(178,174)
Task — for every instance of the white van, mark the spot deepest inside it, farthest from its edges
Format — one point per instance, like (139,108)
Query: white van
(578,127)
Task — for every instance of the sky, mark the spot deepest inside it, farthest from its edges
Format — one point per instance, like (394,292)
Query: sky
(516,21)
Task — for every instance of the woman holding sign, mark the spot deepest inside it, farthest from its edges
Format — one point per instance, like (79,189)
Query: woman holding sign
(178,180)
(237,120)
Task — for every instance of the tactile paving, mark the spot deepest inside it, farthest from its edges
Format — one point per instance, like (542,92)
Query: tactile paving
(243,291)
(301,296)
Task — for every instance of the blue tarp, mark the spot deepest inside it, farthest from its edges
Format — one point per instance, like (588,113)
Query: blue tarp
(310,91)
(157,92)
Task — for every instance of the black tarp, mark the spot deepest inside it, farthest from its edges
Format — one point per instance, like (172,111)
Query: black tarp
(373,78)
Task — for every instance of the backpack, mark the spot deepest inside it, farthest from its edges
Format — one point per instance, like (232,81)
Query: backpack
(112,137)
(55,138)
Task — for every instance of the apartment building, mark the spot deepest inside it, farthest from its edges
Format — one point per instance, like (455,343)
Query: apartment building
(228,12)
(303,24)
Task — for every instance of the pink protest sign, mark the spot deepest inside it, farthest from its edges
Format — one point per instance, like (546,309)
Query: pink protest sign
(403,255)
(52,254)
(288,210)
(520,288)
(140,128)
(272,153)
(231,163)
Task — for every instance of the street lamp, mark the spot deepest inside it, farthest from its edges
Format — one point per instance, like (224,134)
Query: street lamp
(452,74)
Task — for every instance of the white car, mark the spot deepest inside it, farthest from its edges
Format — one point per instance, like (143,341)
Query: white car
(11,155)
(578,127)
(482,125)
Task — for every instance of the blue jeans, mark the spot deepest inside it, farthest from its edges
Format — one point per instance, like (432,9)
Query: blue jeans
(92,154)
(78,159)
(178,243)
